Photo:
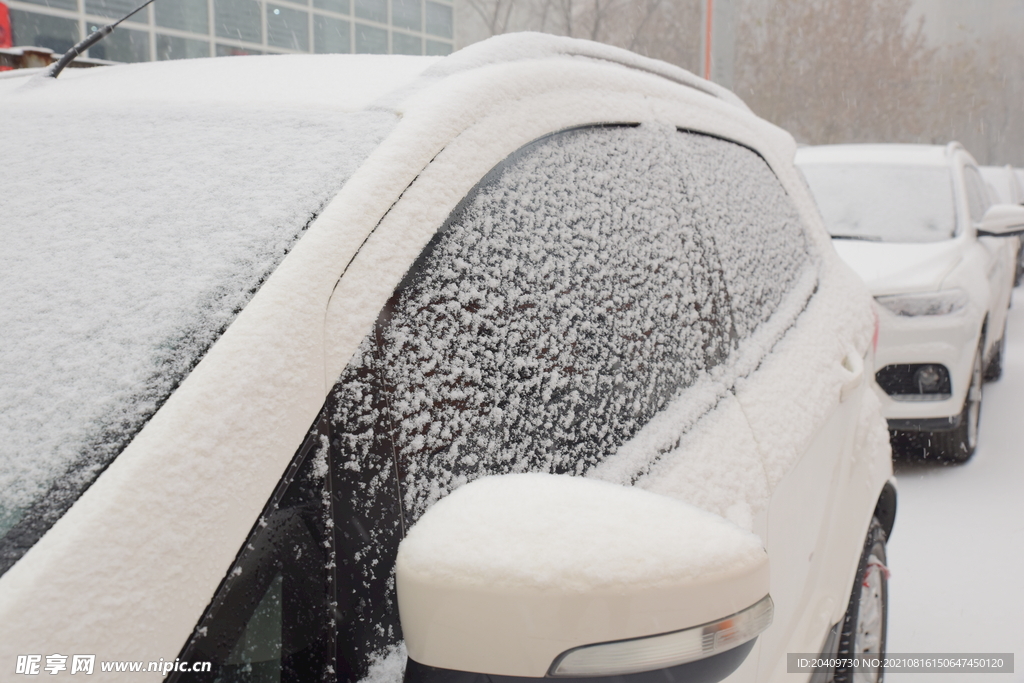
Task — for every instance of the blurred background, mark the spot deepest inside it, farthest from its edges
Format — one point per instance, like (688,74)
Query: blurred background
(826,70)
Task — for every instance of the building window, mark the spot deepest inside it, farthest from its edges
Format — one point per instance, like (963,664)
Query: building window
(371,40)
(407,14)
(238,19)
(123,45)
(40,30)
(287,28)
(331,35)
(173,47)
(114,9)
(184,15)
(439,20)
(185,29)
(374,10)
(338,6)
(435,48)
(404,44)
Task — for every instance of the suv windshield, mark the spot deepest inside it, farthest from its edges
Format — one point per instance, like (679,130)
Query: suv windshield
(132,237)
(884,202)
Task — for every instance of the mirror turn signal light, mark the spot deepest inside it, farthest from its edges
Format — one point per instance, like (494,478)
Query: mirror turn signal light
(667,649)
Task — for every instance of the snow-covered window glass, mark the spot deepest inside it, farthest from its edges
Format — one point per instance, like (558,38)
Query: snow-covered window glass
(312,595)
(565,302)
(141,231)
(757,231)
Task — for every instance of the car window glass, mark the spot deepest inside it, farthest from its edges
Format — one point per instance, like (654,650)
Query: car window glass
(565,302)
(978,199)
(311,596)
(884,202)
(757,231)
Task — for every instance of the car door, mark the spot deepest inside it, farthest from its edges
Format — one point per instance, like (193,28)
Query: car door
(998,256)
(569,302)
(574,316)
(804,403)
(692,442)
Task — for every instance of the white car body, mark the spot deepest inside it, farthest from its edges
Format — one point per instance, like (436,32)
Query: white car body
(1005,181)
(981,267)
(794,449)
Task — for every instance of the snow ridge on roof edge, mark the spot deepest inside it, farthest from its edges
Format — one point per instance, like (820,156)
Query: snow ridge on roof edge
(532,45)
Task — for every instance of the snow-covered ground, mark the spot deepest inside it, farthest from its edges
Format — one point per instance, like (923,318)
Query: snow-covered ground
(957,551)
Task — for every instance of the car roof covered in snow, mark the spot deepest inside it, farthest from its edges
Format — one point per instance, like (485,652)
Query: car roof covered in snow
(913,155)
(342,82)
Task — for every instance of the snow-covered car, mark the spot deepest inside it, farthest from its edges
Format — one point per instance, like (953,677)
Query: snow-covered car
(261,314)
(916,222)
(1006,184)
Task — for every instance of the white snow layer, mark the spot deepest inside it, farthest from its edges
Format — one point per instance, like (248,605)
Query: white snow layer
(388,665)
(132,237)
(595,535)
(530,45)
(296,82)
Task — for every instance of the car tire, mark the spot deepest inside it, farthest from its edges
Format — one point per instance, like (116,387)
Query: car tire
(865,624)
(957,445)
(994,367)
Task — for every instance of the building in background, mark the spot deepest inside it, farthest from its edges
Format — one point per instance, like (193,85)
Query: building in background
(177,29)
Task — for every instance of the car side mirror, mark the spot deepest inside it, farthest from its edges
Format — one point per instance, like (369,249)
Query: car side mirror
(537,575)
(1002,220)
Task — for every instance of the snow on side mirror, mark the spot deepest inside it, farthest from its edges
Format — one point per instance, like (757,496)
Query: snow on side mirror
(538,575)
(1002,220)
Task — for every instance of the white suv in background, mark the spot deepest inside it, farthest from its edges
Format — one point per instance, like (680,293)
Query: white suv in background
(916,222)
(261,314)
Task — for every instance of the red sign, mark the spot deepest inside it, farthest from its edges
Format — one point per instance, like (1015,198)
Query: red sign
(6,39)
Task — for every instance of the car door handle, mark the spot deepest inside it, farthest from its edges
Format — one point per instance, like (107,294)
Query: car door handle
(853,373)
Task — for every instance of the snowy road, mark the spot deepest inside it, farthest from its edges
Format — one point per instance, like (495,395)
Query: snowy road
(957,551)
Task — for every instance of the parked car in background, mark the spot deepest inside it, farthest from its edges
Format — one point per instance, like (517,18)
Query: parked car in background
(1008,190)
(260,315)
(917,223)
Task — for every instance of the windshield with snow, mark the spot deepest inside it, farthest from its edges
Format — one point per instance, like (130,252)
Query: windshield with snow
(884,202)
(131,239)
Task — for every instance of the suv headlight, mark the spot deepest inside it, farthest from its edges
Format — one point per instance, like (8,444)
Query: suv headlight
(928,303)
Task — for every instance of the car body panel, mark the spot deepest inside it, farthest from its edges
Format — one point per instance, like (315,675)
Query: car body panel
(1004,180)
(901,268)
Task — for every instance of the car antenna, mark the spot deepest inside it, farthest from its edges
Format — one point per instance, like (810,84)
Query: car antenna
(93,38)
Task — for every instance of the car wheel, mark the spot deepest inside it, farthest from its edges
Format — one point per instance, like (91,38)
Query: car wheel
(957,445)
(864,627)
(994,368)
